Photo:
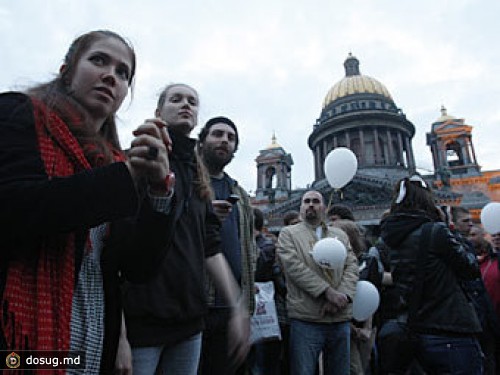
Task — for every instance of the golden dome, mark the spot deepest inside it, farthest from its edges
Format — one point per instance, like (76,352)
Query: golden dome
(444,115)
(273,144)
(355,83)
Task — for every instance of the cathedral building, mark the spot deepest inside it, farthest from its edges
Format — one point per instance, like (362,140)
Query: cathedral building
(359,113)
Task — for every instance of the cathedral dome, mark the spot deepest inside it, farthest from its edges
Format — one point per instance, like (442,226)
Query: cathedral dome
(274,144)
(444,115)
(355,83)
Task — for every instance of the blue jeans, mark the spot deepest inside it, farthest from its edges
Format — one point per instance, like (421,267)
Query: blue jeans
(308,339)
(449,355)
(180,359)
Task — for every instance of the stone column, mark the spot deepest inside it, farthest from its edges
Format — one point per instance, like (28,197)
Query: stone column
(472,149)
(317,163)
(434,157)
(260,182)
(400,148)
(321,160)
(377,146)
(279,175)
(442,154)
(467,150)
(412,154)
(409,155)
(361,148)
(389,147)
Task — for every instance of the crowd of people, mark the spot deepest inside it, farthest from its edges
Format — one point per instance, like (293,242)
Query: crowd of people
(145,259)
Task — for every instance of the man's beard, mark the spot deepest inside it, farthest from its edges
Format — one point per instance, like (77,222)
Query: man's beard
(214,162)
(311,216)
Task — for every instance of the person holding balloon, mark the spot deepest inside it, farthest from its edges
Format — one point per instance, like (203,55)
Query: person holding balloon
(429,264)
(321,272)
(362,331)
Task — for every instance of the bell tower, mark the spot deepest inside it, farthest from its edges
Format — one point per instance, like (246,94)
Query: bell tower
(274,175)
(452,150)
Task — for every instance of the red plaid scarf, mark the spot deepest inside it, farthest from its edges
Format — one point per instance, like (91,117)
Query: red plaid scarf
(37,300)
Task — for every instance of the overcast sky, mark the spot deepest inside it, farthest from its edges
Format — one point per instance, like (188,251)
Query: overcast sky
(268,64)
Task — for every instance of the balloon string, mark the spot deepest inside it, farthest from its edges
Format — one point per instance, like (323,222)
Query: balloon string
(330,202)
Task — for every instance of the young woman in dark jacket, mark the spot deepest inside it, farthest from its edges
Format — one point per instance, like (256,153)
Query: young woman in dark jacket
(444,324)
(165,317)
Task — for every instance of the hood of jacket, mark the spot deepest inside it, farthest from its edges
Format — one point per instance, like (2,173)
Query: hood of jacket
(396,227)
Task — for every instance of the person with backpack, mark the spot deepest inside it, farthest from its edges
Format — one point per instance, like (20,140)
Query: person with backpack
(428,266)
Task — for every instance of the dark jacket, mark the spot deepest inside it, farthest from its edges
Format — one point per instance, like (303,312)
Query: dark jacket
(444,307)
(35,208)
(171,307)
(266,259)
(478,295)
(389,294)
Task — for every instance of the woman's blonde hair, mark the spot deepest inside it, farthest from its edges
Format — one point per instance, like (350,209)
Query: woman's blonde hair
(202,180)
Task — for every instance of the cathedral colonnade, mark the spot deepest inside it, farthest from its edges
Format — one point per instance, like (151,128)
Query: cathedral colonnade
(374,146)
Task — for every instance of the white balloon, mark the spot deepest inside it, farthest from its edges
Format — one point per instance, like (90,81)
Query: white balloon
(366,301)
(329,253)
(340,167)
(490,217)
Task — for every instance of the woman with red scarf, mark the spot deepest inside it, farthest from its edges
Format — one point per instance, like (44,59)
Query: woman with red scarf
(76,214)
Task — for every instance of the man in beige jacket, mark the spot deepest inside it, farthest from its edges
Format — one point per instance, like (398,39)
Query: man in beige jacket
(319,300)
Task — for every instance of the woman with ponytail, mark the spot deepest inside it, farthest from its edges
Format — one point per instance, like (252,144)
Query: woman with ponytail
(437,324)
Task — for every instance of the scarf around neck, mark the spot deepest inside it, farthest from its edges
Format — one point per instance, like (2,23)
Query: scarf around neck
(37,300)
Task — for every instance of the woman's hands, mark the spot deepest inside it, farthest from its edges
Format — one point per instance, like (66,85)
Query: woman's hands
(239,334)
(148,156)
(123,361)
(239,321)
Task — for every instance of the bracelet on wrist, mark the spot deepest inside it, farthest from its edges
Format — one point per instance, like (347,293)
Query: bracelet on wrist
(166,186)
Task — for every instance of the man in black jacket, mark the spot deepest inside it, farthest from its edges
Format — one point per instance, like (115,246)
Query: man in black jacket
(217,143)
(476,291)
